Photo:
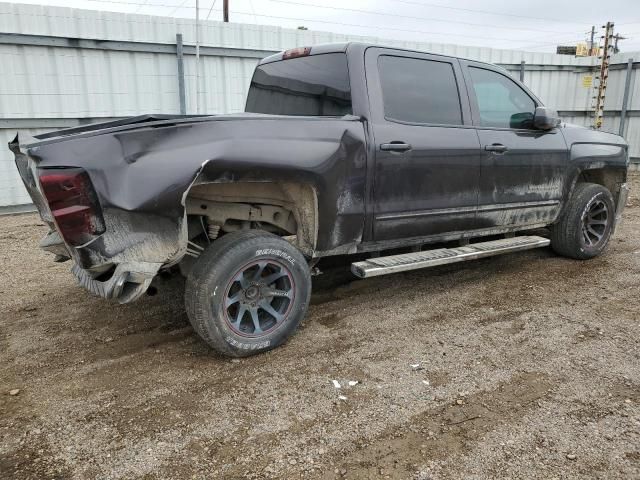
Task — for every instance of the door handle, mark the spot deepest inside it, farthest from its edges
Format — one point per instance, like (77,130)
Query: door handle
(496,148)
(395,147)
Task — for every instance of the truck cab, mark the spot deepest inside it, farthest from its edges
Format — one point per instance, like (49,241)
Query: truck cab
(457,148)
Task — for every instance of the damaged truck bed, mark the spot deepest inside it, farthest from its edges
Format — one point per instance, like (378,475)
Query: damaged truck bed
(155,167)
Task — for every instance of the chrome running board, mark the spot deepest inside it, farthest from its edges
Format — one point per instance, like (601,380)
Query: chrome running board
(432,258)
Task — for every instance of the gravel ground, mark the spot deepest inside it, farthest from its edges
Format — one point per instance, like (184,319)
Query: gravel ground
(528,367)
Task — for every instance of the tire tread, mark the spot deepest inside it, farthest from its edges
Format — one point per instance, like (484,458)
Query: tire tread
(197,294)
(565,234)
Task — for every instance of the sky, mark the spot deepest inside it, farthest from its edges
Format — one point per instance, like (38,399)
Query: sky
(537,26)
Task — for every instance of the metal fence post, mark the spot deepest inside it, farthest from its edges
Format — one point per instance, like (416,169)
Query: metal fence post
(625,96)
(522,71)
(181,91)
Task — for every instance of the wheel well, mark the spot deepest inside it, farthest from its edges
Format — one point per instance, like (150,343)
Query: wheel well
(284,208)
(610,178)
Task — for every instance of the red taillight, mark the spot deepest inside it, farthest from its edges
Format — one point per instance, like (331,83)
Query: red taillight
(296,52)
(73,203)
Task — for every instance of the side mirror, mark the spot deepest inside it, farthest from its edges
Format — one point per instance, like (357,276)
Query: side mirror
(545,119)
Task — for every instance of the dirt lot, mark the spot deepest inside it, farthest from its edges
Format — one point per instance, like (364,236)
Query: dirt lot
(529,368)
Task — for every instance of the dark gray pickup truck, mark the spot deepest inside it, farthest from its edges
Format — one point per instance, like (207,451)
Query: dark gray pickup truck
(346,149)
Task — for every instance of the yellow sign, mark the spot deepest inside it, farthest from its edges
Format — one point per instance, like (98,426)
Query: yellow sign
(587,81)
(582,50)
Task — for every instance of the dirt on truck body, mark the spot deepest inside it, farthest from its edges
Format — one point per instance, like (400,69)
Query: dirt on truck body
(521,366)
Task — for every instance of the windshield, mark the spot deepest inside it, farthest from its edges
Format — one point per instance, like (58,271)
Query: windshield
(315,85)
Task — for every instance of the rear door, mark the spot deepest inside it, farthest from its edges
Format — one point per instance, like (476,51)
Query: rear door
(427,159)
(522,169)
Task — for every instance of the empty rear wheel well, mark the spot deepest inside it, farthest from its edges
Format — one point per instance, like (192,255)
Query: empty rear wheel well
(283,208)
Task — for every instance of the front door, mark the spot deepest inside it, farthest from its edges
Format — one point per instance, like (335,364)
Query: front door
(427,160)
(523,170)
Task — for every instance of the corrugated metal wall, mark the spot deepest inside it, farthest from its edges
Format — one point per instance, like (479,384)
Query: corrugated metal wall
(45,87)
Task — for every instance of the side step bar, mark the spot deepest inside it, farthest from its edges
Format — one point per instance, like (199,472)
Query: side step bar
(441,256)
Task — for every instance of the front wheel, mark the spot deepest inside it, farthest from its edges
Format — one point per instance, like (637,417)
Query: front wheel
(248,292)
(584,229)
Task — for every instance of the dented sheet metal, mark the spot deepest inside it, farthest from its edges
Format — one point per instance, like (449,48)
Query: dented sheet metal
(143,172)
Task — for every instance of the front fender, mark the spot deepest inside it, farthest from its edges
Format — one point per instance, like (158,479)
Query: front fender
(602,163)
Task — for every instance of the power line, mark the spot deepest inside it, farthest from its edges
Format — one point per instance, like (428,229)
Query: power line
(413,17)
(539,45)
(408,2)
(310,20)
(140,6)
(487,12)
(545,44)
(378,27)
(179,6)
(211,9)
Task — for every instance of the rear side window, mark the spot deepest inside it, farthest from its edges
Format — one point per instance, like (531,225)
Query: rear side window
(419,91)
(315,85)
(501,102)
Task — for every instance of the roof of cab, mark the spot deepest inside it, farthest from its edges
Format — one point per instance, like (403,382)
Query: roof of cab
(315,50)
(344,46)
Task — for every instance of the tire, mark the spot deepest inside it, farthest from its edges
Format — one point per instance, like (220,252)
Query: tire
(584,228)
(247,293)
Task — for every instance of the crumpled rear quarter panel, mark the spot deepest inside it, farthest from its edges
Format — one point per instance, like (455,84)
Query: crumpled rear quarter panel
(142,174)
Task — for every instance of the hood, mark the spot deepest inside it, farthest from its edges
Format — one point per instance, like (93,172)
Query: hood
(580,134)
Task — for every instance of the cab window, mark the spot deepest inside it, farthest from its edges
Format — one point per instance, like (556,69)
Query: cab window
(419,91)
(316,85)
(501,102)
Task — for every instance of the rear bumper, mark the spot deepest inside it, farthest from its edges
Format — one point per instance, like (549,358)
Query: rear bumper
(128,282)
(135,245)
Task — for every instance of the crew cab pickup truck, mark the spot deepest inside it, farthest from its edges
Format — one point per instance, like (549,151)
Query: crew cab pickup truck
(344,149)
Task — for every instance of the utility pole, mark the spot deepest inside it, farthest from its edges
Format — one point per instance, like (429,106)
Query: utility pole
(225,11)
(617,37)
(605,56)
(593,33)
